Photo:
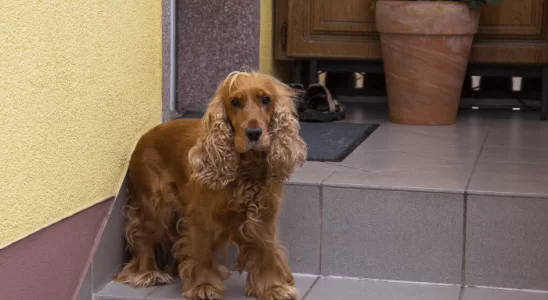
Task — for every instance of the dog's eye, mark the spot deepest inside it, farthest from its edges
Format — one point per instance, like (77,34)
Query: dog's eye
(235,102)
(265,100)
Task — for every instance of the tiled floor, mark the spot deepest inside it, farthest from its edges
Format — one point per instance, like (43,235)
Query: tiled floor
(494,152)
(332,288)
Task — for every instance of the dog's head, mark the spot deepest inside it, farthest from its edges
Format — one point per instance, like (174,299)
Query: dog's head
(249,112)
(248,101)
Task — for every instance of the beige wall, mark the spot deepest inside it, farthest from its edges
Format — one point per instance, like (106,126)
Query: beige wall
(80,81)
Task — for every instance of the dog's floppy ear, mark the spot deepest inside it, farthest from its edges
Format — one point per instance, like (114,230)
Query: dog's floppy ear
(213,159)
(287,148)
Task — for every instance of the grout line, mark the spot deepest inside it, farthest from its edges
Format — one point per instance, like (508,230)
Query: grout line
(396,170)
(465,212)
(321,186)
(461,292)
(476,161)
(327,178)
(321,231)
(517,162)
(310,288)
(91,283)
(508,289)
(464,240)
(389,281)
(427,156)
(516,147)
(153,290)
(420,168)
(416,133)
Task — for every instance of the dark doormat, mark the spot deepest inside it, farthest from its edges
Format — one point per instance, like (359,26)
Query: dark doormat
(334,141)
(327,141)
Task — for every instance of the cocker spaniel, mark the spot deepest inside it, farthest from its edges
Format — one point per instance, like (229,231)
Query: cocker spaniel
(196,186)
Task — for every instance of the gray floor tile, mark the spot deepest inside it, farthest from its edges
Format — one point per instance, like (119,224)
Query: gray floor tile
(514,155)
(520,123)
(234,287)
(417,147)
(393,160)
(429,148)
(513,138)
(497,294)
(465,133)
(441,179)
(507,244)
(110,253)
(118,291)
(463,155)
(385,138)
(392,235)
(352,289)
(512,179)
(299,224)
(312,173)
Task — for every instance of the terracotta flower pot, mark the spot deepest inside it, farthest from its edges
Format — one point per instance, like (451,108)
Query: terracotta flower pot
(425,48)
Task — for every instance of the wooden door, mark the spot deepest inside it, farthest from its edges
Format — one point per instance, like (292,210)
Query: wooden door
(343,29)
(513,32)
(516,32)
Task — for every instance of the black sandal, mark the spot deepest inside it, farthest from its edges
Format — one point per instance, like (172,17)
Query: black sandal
(321,106)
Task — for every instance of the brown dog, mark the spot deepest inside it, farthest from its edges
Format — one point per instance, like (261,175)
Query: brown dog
(197,186)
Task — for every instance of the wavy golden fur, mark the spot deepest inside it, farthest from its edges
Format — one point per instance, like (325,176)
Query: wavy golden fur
(197,186)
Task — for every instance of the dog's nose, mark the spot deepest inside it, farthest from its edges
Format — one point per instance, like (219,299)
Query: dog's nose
(253,134)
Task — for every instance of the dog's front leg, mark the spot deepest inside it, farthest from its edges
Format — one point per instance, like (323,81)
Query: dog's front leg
(269,276)
(202,278)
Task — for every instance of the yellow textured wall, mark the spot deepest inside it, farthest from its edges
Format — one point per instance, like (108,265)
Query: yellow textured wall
(266,49)
(267,63)
(79,82)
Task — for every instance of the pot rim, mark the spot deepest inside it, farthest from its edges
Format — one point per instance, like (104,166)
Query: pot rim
(426,17)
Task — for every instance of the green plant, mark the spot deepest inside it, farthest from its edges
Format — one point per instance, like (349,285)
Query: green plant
(471,3)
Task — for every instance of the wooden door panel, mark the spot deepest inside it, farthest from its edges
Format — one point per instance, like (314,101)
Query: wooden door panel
(342,29)
(342,17)
(513,32)
(515,19)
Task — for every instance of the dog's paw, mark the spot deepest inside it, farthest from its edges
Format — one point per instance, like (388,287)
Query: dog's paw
(144,279)
(280,292)
(204,292)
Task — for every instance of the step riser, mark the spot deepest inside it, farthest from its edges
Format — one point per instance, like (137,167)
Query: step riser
(417,236)
(376,234)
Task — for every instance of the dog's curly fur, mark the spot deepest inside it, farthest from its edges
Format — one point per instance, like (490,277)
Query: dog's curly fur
(196,187)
